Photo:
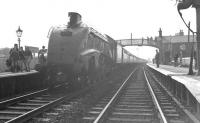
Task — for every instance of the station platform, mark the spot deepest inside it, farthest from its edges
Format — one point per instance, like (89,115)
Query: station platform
(176,71)
(180,74)
(8,74)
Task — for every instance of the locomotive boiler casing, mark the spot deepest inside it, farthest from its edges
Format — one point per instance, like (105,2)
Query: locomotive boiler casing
(77,51)
(65,45)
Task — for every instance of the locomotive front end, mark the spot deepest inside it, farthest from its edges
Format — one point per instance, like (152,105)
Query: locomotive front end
(65,45)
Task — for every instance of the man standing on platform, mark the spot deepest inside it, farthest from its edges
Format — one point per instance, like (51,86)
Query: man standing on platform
(21,59)
(28,57)
(41,55)
(157,58)
(14,57)
(176,60)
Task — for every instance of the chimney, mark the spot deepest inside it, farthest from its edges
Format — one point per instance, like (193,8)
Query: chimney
(181,33)
(160,32)
(74,18)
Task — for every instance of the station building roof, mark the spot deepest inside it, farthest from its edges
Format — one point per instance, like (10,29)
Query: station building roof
(177,39)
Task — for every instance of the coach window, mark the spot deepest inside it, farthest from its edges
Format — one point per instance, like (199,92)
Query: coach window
(94,42)
(89,42)
(101,47)
(98,43)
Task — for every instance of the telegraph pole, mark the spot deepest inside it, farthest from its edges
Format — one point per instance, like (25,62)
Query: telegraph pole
(198,37)
(161,47)
(192,53)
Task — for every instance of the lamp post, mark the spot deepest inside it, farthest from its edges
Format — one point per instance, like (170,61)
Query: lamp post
(161,50)
(19,34)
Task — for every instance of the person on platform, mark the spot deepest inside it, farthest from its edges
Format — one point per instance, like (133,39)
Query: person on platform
(195,60)
(176,60)
(28,57)
(153,60)
(14,57)
(157,58)
(21,59)
(181,57)
(41,55)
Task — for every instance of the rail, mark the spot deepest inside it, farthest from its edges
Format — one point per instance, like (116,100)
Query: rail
(36,111)
(6,103)
(17,99)
(103,112)
(188,113)
(155,99)
(11,101)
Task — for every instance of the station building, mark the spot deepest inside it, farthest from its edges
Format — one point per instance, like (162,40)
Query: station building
(178,44)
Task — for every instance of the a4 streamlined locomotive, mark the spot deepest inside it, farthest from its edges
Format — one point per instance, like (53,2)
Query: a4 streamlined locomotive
(78,53)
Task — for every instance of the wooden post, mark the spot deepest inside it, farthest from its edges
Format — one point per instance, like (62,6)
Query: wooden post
(198,37)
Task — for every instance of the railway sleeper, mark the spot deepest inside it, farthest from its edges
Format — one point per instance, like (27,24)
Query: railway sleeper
(127,120)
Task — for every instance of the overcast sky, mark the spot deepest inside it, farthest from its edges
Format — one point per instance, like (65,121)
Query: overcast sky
(117,18)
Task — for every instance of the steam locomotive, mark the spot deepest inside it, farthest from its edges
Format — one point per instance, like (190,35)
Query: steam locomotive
(78,53)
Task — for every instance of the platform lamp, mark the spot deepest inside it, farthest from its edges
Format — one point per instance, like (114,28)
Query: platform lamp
(19,34)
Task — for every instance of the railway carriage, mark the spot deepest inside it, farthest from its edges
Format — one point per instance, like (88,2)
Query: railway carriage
(77,52)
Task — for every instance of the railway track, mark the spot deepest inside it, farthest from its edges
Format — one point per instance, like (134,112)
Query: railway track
(138,100)
(173,110)
(23,108)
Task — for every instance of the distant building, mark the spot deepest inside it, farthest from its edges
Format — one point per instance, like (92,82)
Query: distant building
(176,44)
(33,49)
(5,51)
(2,56)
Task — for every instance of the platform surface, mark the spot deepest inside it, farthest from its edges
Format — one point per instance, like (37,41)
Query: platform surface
(176,71)
(9,74)
(191,82)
